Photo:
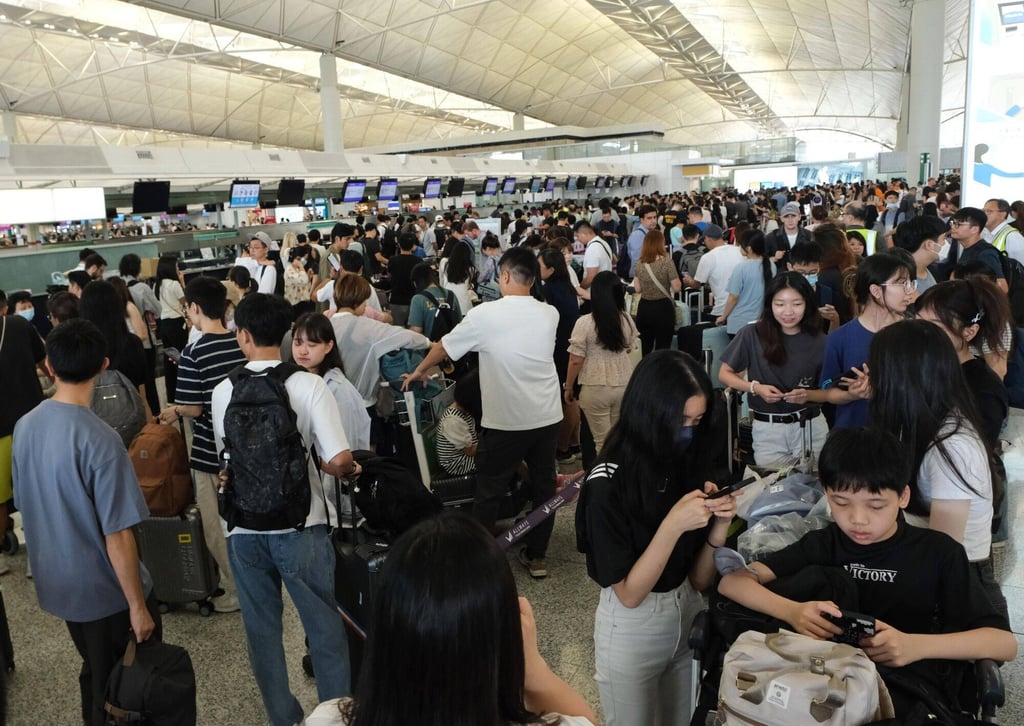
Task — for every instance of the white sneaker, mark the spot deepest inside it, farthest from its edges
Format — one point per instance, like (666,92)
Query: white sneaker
(226,603)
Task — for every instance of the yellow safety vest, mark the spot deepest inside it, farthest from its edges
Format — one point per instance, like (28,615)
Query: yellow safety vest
(1000,239)
(869,235)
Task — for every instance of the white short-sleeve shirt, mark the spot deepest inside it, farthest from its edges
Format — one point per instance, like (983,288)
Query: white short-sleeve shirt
(515,337)
(317,420)
(597,255)
(937,480)
(715,268)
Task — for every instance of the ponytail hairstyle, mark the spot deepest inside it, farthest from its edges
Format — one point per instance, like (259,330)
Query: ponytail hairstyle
(960,304)
(242,279)
(754,241)
(769,332)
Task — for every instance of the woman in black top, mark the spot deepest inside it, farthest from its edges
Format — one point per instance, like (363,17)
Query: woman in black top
(648,529)
(973,311)
(559,293)
(102,306)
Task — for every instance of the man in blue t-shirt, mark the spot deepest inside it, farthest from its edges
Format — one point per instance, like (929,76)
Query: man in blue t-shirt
(79,499)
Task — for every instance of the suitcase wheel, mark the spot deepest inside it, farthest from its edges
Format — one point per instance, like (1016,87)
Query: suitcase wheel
(164,608)
(205,608)
(11,543)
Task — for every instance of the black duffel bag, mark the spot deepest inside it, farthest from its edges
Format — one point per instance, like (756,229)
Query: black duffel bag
(153,685)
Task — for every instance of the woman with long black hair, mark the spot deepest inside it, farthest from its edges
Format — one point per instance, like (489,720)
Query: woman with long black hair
(102,306)
(649,529)
(170,291)
(459,274)
(918,391)
(560,294)
(451,642)
(598,356)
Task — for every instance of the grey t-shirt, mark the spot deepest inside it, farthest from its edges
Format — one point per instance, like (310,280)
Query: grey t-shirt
(74,484)
(804,353)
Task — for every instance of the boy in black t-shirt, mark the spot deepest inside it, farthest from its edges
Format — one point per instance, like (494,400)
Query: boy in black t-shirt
(927,602)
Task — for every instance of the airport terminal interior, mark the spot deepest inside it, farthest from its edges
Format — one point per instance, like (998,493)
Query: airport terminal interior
(205,129)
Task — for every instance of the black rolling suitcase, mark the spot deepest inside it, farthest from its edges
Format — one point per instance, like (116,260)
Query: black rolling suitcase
(358,563)
(740,433)
(174,551)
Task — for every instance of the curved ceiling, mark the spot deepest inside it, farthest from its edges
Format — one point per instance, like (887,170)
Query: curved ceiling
(199,72)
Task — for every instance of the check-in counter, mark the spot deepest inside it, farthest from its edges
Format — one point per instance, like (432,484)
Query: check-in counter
(31,266)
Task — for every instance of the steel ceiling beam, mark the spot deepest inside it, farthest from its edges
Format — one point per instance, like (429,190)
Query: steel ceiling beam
(665,31)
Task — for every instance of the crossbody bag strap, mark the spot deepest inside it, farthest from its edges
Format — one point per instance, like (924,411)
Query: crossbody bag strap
(657,284)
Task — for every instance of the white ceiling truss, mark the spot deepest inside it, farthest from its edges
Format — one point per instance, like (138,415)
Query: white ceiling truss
(245,72)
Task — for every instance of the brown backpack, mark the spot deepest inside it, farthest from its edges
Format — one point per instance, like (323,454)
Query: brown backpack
(160,459)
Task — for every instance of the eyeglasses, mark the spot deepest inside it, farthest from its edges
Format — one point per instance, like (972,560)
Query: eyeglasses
(907,285)
(961,224)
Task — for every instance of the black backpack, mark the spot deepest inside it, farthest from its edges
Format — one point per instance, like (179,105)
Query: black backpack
(622,267)
(444,315)
(389,241)
(269,484)
(389,496)
(1013,271)
(153,685)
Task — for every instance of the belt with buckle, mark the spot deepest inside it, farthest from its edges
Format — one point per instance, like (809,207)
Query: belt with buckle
(804,414)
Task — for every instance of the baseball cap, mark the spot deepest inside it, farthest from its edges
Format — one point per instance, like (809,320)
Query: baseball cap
(263,237)
(791,208)
(713,231)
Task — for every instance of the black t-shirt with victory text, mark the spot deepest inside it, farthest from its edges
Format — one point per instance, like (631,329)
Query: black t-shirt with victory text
(616,538)
(917,581)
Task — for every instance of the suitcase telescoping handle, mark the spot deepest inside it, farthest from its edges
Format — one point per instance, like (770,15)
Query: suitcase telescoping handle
(538,515)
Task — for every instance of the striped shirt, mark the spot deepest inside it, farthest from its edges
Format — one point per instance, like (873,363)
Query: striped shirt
(203,365)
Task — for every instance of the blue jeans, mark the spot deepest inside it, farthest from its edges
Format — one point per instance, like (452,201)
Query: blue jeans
(304,561)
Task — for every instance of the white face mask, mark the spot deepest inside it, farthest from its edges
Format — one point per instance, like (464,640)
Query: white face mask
(944,249)
(27,313)
(892,205)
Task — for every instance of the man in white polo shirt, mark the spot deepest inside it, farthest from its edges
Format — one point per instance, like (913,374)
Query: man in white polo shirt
(515,337)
